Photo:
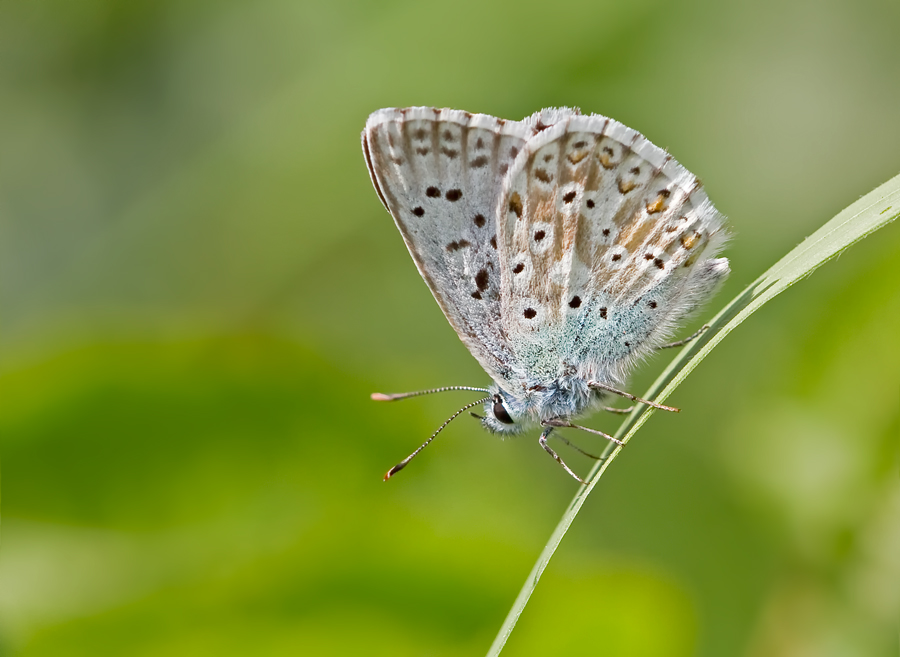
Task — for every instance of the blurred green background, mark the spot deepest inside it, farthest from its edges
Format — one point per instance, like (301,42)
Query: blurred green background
(200,289)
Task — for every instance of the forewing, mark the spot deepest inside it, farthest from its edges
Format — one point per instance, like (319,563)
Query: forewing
(605,243)
(439,173)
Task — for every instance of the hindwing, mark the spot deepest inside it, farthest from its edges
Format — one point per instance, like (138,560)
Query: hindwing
(605,242)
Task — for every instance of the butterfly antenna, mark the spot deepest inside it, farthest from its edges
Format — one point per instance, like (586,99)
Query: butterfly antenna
(380,396)
(397,468)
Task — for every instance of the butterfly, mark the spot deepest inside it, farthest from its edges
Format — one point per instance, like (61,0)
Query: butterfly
(562,249)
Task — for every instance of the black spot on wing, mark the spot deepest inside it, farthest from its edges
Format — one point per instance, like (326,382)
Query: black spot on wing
(456,246)
(481,280)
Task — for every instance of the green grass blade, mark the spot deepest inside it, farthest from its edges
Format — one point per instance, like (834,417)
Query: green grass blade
(865,216)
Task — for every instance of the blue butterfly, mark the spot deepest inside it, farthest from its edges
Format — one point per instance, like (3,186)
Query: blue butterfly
(562,249)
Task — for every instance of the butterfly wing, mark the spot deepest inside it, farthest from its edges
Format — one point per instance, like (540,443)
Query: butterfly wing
(439,173)
(605,243)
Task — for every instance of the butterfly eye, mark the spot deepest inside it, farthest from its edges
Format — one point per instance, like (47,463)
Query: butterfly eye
(501,414)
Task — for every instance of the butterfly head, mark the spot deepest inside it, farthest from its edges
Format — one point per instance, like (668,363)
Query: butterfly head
(503,413)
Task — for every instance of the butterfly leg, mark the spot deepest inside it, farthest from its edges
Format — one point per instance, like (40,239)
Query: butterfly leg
(559,422)
(543,441)
(596,385)
(576,447)
(681,343)
(622,411)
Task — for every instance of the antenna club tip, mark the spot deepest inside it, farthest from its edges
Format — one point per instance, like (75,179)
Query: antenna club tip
(390,473)
(380,396)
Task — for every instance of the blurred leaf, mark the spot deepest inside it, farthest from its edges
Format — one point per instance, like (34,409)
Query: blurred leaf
(873,211)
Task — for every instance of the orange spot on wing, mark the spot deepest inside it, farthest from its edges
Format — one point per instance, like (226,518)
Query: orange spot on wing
(626,186)
(657,206)
(690,241)
(515,204)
